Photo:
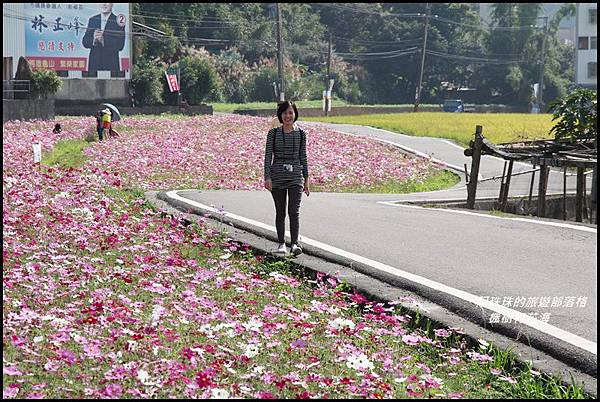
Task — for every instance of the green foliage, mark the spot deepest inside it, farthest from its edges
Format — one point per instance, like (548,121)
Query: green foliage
(146,81)
(576,116)
(66,153)
(261,84)
(235,76)
(45,82)
(250,33)
(199,80)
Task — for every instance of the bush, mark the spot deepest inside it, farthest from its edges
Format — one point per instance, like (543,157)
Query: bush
(235,76)
(307,87)
(261,84)
(146,81)
(199,80)
(576,114)
(44,83)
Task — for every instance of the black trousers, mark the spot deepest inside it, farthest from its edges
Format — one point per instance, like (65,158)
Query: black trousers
(280,196)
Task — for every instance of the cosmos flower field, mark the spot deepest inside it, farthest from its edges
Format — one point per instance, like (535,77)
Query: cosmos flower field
(106,297)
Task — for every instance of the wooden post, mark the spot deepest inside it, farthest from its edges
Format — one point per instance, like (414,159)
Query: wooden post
(472,186)
(594,196)
(501,195)
(531,185)
(541,207)
(507,185)
(579,197)
(585,204)
(466,174)
(564,211)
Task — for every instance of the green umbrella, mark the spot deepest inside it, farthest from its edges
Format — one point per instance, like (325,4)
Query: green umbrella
(116,115)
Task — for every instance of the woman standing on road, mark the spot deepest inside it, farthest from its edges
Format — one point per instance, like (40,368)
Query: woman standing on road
(286,172)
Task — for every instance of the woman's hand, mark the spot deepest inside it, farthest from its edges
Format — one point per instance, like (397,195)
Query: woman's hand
(269,185)
(306,187)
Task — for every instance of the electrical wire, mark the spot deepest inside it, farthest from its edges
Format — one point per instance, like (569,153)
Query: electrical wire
(477,60)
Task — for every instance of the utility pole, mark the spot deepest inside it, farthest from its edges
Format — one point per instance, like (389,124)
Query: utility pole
(328,93)
(418,94)
(542,63)
(280,54)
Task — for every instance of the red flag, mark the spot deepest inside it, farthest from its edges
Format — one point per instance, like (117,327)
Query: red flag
(172,80)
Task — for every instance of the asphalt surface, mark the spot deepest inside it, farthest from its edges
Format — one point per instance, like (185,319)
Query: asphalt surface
(498,258)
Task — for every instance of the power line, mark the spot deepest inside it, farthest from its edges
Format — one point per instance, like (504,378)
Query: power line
(473,59)
(479,26)
(379,13)
(212,42)
(489,28)
(377,53)
(370,58)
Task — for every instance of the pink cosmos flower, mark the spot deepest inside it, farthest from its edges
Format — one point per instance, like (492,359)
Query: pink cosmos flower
(265,395)
(442,333)
(508,379)
(11,391)
(113,391)
(204,378)
(411,340)
(11,370)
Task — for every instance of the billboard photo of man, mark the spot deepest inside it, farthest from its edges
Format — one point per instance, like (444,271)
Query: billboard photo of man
(105,37)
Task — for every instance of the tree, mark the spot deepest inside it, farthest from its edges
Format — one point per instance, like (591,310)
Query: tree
(576,115)
(146,80)
(199,79)
(513,36)
(44,83)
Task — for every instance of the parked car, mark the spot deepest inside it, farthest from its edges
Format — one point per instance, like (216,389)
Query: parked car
(453,105)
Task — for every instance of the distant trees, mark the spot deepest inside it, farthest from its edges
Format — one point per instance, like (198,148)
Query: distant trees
(376,49)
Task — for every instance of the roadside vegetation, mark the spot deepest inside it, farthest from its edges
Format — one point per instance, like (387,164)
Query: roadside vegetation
(459,127)
(230,107)
(105,296)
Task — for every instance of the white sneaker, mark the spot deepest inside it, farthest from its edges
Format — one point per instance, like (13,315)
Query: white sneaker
(282,248)
(296,250)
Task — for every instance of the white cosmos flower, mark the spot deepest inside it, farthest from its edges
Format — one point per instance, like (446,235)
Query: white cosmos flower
(340,323)
(251,351)
(144,377)
(359,362)
(253,325)
(217,393)
(157,312)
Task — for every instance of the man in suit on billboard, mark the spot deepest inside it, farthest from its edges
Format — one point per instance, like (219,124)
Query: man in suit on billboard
(105,37)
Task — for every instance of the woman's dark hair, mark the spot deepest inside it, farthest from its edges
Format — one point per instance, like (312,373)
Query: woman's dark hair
(283,106)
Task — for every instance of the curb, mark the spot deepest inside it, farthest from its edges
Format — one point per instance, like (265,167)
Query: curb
(544,352)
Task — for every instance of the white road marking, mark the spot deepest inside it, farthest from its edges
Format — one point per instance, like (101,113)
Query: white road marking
(541,326)
(455,211)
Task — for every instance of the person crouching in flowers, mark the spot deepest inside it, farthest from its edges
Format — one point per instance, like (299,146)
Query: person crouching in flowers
(286,172)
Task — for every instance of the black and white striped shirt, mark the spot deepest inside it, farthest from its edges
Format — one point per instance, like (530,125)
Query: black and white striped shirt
(290,148)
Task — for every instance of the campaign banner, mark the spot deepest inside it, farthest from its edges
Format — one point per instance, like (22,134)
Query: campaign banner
(77,36)
(172,80)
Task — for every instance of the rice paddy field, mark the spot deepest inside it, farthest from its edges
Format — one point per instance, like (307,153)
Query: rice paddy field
(459,127)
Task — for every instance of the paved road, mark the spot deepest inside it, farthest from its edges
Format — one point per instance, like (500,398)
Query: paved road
(467,254)
(452,155)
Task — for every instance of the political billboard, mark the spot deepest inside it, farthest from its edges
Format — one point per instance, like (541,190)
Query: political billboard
(78,36)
